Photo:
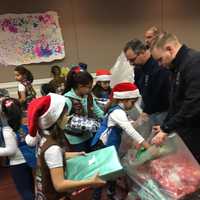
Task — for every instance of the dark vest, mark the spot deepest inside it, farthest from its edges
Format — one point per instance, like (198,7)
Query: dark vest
(44,186)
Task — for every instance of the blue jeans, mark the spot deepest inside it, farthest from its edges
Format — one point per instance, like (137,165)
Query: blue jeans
(24,181)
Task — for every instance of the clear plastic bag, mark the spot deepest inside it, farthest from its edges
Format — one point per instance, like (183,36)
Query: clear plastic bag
(143,126)
(135,112)
(122,71)
(169,172)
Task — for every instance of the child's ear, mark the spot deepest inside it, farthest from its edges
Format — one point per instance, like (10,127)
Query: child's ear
(136,99)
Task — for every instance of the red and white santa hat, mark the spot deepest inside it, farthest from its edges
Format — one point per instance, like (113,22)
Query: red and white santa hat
(103,75)
(125,91)
(42,114)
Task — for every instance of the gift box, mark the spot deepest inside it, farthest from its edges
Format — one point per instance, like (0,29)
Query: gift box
(82,124)
(105,162)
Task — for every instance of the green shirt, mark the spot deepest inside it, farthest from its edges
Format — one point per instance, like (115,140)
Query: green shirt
(96,109)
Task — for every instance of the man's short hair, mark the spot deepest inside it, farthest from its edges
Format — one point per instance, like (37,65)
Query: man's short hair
(163,39)
(156,31)
(136,45)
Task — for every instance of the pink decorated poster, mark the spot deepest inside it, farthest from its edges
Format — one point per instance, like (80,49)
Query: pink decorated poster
(30,38)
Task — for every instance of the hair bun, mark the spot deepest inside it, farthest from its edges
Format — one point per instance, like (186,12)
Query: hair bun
(77,69)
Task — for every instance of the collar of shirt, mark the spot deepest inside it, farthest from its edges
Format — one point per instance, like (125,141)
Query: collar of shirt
(121,105)
(149,65)
(74,95)
(176,63)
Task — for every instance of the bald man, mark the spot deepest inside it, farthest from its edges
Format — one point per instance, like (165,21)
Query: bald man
(150,34)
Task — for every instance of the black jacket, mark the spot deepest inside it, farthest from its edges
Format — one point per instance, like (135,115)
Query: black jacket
(153,82)
(184,112)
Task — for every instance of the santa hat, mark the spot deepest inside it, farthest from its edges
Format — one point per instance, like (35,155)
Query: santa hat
(42,114)
(125,91)
(103,75)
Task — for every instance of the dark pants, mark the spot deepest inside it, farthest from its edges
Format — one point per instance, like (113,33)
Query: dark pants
(191,138)
(111,191)
(24,181)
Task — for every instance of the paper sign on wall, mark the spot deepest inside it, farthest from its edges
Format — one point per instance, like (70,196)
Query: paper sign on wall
(30,38)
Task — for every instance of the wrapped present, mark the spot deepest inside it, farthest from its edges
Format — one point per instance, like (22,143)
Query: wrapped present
(173,170)
(104,161)
(78,125)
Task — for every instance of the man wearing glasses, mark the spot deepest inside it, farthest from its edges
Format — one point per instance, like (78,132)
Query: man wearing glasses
(152,80)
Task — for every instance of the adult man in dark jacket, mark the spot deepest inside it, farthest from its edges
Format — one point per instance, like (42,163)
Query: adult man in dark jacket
(184,112)
(152,80)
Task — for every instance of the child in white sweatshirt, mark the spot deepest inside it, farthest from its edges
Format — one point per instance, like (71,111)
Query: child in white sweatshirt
(21,157)
(116,121)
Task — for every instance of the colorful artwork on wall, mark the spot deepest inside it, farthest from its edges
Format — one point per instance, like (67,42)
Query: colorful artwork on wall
(30,38)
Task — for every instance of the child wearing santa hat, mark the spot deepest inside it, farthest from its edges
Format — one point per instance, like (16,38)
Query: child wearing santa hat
(102,88)
(48,116)
(124,96)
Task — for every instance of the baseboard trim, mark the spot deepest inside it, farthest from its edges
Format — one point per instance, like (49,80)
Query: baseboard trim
(15,83)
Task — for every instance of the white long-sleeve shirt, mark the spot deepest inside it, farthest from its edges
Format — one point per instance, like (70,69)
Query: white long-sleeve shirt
(119,117)
(11,149)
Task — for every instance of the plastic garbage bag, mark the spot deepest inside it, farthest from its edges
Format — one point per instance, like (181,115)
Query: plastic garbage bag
(171,168)
(143,126)
(122,71)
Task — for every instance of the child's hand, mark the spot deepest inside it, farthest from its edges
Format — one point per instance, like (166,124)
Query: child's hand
(81,153)
(144,144)
(96,181)
(74,154)
(137,146)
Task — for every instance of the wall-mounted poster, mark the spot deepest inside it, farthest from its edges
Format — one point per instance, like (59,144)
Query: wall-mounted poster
(30,38)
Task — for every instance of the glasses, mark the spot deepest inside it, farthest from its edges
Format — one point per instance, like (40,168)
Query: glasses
(132,60)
